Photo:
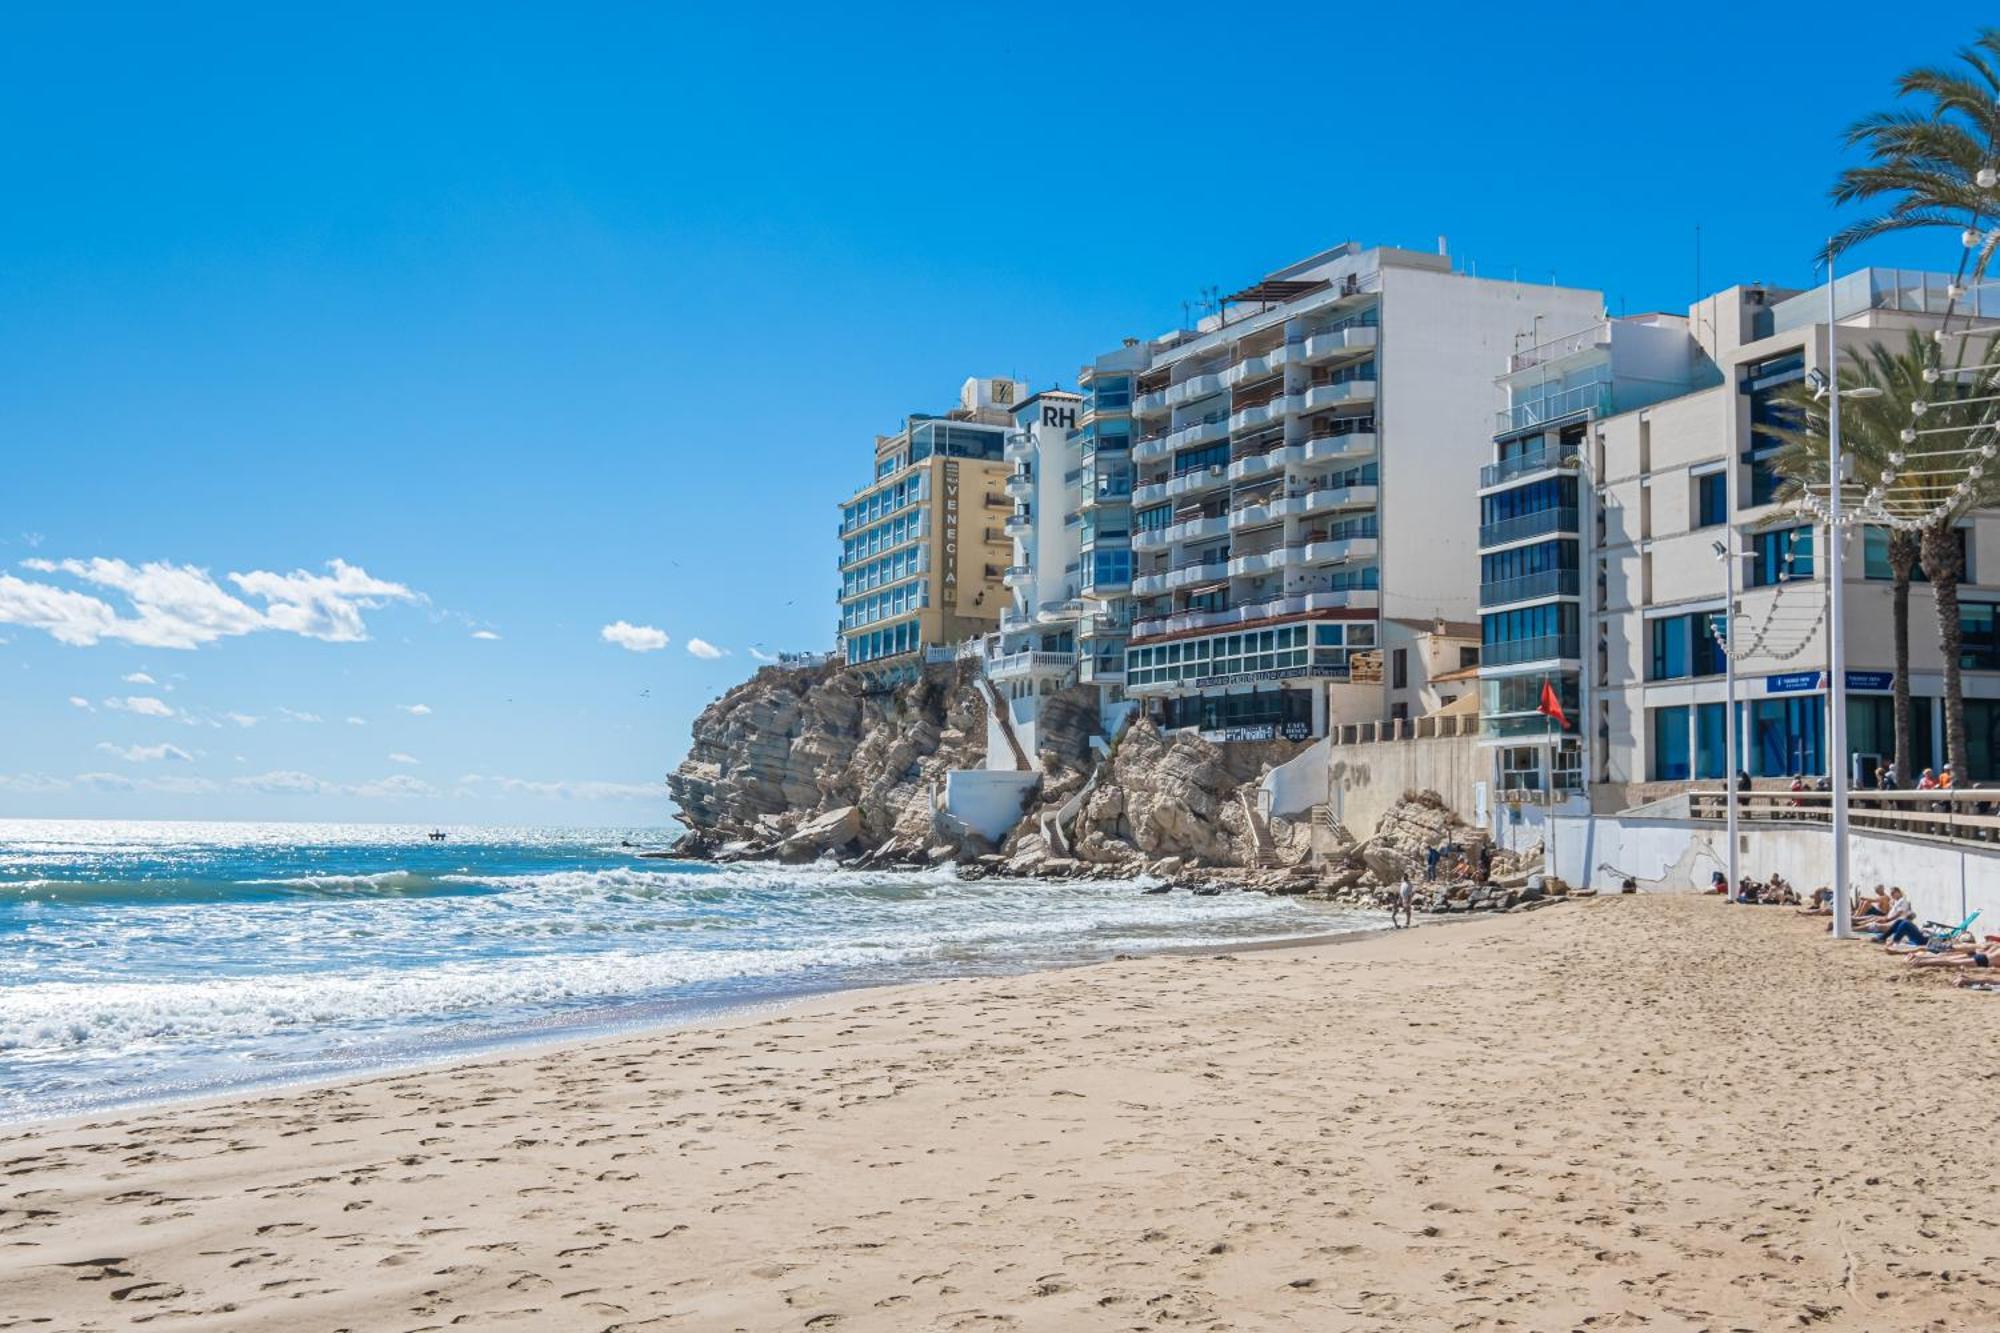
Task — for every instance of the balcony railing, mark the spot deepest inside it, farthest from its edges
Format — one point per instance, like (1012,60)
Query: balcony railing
(1534,725)
(1547,648)
(1553,407)
(1548,583)
(1509,468)
(1528,525)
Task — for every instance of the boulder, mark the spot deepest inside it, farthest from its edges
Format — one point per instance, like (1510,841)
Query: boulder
(829,832)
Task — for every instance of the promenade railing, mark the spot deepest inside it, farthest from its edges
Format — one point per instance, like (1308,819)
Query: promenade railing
(1964,814)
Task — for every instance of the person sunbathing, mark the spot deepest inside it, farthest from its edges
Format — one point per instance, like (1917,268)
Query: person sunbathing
(1900,921)
(1959,953)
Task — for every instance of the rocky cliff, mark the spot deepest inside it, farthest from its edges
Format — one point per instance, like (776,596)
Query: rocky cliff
(799,763)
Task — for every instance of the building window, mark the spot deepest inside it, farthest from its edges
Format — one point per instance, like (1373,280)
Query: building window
(1979,637)
(1400,669)
(1670,744)
(1786,735)
(1682,646)
(1783,556)
(1467,657)
(1762,383)
(1711,499)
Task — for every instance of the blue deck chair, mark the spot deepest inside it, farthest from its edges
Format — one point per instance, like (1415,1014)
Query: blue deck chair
(1940,937)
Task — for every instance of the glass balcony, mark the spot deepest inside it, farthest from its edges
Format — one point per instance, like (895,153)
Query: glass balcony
(1548,648)
(1529,587)
(1537,524)
(1542,459)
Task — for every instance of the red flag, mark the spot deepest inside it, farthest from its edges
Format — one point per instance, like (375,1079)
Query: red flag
(1552,706)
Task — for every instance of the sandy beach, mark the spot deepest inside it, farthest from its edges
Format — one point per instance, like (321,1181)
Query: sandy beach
(1659,1113)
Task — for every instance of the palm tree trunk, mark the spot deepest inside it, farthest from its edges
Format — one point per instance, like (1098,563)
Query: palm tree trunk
(1945,566)
(1902,564)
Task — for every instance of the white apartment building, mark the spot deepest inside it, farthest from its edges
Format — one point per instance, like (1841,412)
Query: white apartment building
(1302,468)
(1659,482)
(1036,650)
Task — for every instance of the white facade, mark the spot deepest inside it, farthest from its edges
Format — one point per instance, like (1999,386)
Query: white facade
(1303,466)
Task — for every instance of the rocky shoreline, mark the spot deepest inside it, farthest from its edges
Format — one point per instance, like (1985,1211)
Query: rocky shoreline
(815,764)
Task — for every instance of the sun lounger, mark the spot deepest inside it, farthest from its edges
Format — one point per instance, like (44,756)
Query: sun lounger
(1940,936)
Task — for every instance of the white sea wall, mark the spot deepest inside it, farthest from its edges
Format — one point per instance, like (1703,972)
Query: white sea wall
(1361,781)
(1945,881)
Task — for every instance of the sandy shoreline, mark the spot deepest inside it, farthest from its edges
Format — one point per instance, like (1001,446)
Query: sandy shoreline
(1659,1113)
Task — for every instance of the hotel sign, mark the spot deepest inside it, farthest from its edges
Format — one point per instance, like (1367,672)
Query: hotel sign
(1810,682)
(1282,673)
(1261,731)
(950,527)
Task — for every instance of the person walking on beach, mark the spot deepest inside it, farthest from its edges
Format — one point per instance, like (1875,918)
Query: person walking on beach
(1406,904)
(1431,866)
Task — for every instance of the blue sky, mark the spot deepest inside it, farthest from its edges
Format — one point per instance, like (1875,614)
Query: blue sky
(545,320)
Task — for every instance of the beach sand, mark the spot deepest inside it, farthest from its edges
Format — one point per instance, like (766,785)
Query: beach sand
(1656,1112)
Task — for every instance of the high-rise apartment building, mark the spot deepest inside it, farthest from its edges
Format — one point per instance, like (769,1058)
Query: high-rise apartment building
(924,546)
(1303,465)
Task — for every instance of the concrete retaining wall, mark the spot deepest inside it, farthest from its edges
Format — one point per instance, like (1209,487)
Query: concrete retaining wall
(988,800)
(1362,781)
(1944,881)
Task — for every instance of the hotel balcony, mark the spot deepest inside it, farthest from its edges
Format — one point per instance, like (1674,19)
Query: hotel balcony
(1150,404)
(1186,576)
(1101,671)
(1540,523)
(1150,539)
(1200,479)
(1153,446)
(1020,447)
(1018,525)
(1149,585)
(1342,497)
(1526,465)
(1323,396)
(1107,622)
(1254,514)
(1021,485)
(1268,562)
(1194,529)
(1151,493)
(1192,388)
(1018,576)
(1014,619)
(1326,346)
(1106,493)
(1296,604)
(1529,588)
(1200,432)
(1256,367)
(1030,663)
(1335,549)
(1261,414)
(1256,465)
(1354,444)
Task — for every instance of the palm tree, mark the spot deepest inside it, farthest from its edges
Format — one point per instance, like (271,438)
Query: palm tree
(1933,165)
(1939,491)
(1870,432)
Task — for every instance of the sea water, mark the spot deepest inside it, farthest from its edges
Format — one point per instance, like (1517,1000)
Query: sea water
(142,961)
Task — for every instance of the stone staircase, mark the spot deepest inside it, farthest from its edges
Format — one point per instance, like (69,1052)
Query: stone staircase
(1263,852)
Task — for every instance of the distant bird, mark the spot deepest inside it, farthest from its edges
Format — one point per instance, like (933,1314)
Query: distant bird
(645,694)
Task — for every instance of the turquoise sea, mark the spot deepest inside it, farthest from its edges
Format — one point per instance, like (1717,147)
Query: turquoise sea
(141,961)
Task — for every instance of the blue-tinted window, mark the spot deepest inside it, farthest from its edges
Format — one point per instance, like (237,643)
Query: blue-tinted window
(1670,744)
(1711,499)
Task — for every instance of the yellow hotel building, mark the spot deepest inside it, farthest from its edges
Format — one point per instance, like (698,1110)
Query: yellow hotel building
(924,546)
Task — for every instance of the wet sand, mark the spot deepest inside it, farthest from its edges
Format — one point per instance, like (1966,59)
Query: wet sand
(1659,1113)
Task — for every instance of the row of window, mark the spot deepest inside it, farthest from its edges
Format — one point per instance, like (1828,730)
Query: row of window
(888,641)
(1534,498)
(903,564)
(1522,561)
(1786,737)
(1528,623)
(878,505)
(1284,648)
(904,527)
(898,601)
(1108,568)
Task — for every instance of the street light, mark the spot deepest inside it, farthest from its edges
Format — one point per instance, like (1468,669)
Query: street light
(1836,664)
(1729,759)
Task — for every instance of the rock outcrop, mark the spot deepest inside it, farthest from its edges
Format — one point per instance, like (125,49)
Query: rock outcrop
(798,764)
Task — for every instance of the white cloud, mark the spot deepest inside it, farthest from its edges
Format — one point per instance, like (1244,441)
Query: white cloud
(290,782)
(705,650)
(78,701)
(105,781)
(357,721)
(181,606)
(763,656)
(146,754)
(400,785)
(634,638)
(400,758)
(35,782)
(140,704)
(243,719)
(284,782)
(32,782)
(484,634)
(416,710)
(139,678)
(590,790)
(291,716)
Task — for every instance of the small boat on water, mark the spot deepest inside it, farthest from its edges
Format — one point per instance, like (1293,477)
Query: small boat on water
(437,835)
